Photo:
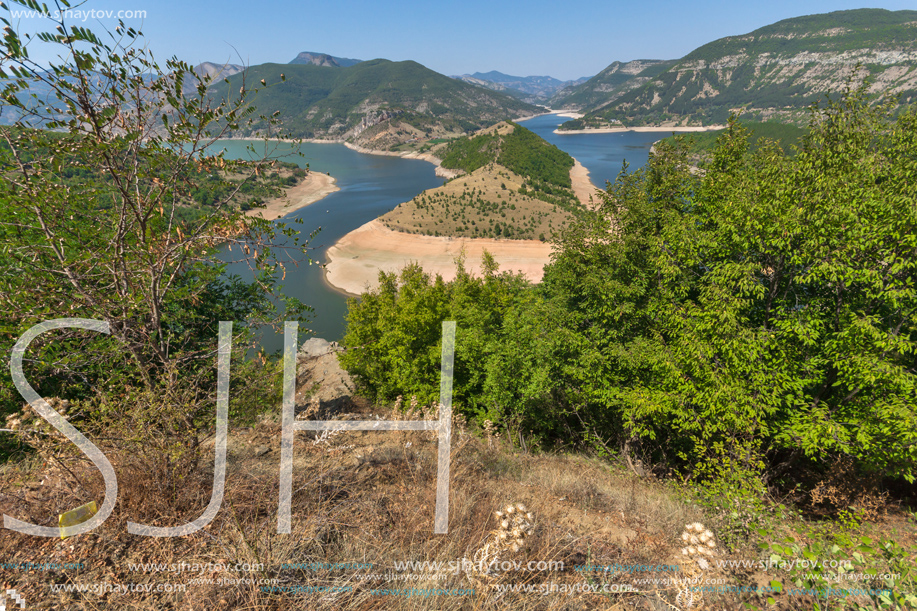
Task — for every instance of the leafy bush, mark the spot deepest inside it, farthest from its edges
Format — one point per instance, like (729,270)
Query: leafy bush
(732,323)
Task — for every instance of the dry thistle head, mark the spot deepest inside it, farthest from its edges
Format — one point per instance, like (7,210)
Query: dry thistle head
(700,540)
(516,524)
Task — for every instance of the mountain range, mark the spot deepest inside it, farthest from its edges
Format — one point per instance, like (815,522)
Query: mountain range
(378,104)
(772,73)
(533,89)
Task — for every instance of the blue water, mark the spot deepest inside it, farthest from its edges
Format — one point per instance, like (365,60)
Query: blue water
(602,154)
(371,185)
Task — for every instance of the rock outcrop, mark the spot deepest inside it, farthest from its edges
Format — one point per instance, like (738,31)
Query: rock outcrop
(323,387)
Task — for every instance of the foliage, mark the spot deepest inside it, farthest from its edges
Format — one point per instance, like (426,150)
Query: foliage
(788,137)
(731,322)
(826,569)
(94,223)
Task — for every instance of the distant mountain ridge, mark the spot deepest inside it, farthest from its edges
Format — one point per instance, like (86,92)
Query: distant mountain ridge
(378,104)
(529,88)
(774,72)
(323,59)
(211,70)
(609,84)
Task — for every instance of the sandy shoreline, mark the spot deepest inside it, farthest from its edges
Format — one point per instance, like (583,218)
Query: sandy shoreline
(584,189)
(313,187)
(567,114)
(353,263)
(438,169)
(614,130)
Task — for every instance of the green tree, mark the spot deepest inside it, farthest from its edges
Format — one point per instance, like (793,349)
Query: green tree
(98,174)
(761,312)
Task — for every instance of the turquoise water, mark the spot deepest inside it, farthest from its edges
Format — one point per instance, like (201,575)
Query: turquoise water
(602,154)
(371,185)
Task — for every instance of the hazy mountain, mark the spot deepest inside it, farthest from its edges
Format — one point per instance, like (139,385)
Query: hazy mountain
(530,88)
(323,59)
(213,71)
(776,71)
(379,104)
(609,84)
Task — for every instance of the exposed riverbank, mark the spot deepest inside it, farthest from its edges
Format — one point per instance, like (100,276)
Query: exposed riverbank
(353,263)
(642,129)
(313,187)
(439,170)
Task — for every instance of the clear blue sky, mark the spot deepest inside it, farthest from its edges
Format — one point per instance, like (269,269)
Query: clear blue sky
(565,39)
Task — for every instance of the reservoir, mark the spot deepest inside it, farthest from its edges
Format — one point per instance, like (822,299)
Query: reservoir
(371,185)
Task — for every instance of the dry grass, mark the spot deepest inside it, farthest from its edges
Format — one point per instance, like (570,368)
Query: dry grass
(358,497)
(473,205)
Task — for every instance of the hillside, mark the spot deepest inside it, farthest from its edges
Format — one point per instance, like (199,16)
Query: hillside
(701,144)
(609,84)
(515,185)
(323,59)
(775,72)
(532,89)
(378,104)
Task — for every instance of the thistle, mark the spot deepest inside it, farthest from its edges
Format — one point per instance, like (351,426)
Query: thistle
(516,525)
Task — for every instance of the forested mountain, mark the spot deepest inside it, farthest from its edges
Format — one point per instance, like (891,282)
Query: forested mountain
(530,88)
(775,72)
(379,103)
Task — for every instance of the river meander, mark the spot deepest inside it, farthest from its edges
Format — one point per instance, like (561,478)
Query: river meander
(371,185)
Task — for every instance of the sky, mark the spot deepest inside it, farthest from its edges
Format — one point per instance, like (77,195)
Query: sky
(566,40)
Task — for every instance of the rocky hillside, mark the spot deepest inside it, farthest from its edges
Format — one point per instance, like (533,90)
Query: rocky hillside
(609,84)
(775,72)
(323,59)
(378,104)
(213,70)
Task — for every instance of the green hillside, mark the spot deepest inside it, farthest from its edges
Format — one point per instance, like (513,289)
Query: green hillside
(515,185)
(520,150)
(376,103)
(775,72)
(609,84)
(701,144)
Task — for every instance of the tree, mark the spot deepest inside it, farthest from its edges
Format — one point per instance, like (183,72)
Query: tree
(100,171)
(759,314)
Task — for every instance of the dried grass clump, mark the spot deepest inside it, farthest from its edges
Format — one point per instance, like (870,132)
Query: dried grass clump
(516,525)
(700,544)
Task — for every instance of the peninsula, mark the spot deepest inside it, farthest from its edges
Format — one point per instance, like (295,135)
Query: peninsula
(513,191)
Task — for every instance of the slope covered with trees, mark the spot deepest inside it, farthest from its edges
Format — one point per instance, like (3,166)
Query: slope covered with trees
(514,185)
(774,72)
(376,103)
(753,325)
